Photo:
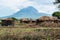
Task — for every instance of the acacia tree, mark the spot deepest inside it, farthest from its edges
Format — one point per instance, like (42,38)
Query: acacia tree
(56,14)
(57,2)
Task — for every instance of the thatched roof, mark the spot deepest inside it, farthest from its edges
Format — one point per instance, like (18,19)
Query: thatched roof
(24,19)
(8,19)
(47,18)
(53,18)
(58,20)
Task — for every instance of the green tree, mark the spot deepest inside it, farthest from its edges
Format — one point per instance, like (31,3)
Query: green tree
(14,19)
(56,14)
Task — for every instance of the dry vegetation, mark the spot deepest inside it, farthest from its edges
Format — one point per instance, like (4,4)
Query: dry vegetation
(29,34)
(45,28)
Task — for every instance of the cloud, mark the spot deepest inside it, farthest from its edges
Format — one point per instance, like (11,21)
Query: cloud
(41,5)
(44,2)
(12,3)
(46,6)
(49,9)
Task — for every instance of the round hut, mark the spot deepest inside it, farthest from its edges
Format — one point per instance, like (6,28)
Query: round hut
(24,20)
(46,19)
(7,22)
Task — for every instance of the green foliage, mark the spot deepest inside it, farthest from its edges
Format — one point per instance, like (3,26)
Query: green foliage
(27,37)
(57,1)
(14,18)
(38,30)
(48,38)
(56,14)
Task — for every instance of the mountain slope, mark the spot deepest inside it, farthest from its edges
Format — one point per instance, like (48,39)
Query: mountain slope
(28,12)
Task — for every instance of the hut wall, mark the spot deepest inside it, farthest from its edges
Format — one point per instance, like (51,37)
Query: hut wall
(7,23)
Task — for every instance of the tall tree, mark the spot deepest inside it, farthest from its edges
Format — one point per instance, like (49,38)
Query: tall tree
(57,2)
(56,14)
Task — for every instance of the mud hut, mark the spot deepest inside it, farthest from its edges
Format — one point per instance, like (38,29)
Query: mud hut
(54,19)
(46,19)
(58,20)
(24,20)
(7,22)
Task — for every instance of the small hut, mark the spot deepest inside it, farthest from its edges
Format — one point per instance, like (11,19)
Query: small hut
(24,20)
(46,19)
(7,22)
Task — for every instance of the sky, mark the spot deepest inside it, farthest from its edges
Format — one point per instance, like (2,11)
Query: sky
(9,7)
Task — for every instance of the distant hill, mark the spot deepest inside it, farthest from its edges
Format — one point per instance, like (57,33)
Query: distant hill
(29,12)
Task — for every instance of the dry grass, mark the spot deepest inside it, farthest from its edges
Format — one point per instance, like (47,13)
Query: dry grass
(29,33)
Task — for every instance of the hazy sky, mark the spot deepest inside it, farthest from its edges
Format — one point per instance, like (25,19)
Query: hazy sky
(9,7)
